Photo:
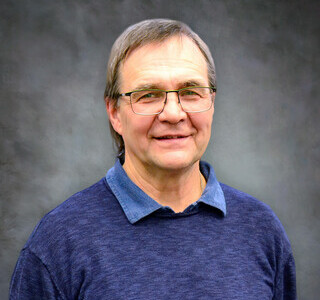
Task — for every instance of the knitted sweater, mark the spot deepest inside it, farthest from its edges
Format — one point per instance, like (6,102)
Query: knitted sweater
(88,248)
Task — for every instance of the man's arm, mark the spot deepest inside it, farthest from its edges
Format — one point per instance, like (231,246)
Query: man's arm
(31,279)
(286,281)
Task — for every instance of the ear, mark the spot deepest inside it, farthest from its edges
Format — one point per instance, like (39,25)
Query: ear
(113,111)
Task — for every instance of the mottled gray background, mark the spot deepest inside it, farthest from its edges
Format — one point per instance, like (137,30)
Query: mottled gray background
(54,131)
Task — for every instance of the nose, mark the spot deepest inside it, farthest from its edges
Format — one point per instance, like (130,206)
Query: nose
(172,111)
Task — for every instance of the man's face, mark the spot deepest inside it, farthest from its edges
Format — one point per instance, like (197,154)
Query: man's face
(173,139)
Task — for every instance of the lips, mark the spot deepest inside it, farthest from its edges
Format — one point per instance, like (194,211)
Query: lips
(167,137)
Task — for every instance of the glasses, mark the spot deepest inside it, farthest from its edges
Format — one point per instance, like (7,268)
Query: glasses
(152,101)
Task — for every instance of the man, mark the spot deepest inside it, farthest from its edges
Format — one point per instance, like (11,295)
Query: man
(159,225)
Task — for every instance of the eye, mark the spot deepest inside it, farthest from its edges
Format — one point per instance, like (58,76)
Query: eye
(190,94)
(147,96)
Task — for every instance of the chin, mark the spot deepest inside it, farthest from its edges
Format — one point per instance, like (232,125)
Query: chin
(175,162)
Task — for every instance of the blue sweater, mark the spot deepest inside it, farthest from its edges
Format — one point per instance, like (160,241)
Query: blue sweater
(95,246)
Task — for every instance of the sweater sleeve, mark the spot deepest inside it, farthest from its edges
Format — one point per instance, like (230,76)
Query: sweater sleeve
(286,281)
(31,279)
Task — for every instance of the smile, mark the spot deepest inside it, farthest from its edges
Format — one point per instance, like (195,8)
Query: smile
(170,137)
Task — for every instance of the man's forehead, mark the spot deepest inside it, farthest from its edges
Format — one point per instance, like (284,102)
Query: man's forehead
(182,83)
(177,41)
(177,52)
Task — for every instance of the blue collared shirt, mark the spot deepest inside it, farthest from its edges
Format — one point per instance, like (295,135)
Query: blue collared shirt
(136,204)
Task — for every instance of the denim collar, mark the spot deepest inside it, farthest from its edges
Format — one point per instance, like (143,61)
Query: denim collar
(136,204)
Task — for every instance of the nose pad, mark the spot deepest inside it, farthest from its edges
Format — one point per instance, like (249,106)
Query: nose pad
(169,102)
(172,111)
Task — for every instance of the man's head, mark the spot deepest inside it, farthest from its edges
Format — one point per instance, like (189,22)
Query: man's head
(136,36)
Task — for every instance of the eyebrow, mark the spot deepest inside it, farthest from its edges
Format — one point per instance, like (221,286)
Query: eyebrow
(180,85)
(147,86)
(191,83)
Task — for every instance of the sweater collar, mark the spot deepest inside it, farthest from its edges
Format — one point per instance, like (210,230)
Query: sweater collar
(136,204)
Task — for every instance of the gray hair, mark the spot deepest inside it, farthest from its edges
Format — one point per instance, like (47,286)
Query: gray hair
(140,34)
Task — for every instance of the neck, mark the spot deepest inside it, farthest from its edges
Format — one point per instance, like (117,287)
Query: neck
(174,188)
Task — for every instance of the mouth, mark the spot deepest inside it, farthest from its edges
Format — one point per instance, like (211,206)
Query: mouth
(169,137)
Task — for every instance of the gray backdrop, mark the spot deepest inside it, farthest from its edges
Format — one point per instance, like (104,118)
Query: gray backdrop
(54,131)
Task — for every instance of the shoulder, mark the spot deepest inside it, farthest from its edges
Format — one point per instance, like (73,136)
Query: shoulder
(62,239)
(78,204)
(72,218)
(257,227)
(242,202)
(256,218)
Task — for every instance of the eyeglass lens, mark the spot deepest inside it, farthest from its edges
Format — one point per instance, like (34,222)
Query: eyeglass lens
(196,99)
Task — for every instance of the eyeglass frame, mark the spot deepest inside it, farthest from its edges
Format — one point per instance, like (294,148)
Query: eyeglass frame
(213,88)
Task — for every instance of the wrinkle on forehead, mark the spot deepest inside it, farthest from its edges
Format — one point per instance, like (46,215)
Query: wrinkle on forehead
(177,37)
(174,51)
(169,45)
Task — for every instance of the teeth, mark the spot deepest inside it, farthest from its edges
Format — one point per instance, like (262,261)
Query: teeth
(170,137)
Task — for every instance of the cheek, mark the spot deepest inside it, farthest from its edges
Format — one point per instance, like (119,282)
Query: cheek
(202,122)
(136,128)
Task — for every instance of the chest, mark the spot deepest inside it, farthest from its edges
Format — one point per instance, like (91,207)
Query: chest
(168,265)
